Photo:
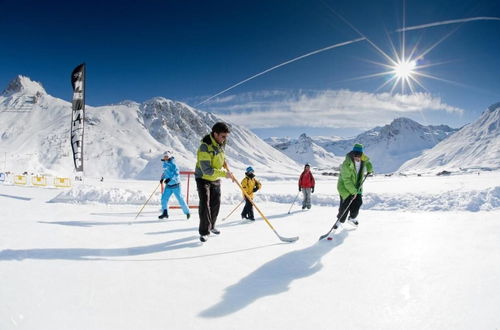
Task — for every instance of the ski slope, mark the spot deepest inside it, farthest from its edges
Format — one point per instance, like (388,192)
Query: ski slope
(86,263)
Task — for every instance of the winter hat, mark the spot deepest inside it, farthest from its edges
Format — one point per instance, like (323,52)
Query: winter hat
(307,164)
(168,153)
(358,148)
(249,169)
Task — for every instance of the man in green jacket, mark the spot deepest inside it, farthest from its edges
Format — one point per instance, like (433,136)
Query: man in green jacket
(352,172)
(210,161)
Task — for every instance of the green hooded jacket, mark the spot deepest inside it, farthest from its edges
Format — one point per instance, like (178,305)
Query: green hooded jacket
(349,181)
(210,160)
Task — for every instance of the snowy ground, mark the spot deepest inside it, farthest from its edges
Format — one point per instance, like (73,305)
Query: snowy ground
(424,257)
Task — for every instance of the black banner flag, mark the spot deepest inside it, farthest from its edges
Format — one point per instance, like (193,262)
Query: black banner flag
(78,115)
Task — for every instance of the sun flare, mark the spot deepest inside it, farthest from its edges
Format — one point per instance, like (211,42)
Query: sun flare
(405,69)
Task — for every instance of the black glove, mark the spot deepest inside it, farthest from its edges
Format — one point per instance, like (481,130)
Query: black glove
(161,180)
(300,189)
(166,181)
(312,190)
(255,188)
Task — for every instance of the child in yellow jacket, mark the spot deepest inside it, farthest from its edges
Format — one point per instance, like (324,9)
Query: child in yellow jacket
(249,185)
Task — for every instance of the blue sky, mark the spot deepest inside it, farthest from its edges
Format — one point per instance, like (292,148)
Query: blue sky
(192,50)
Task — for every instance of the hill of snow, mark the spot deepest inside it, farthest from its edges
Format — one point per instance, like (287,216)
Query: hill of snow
(123,140)
(397,193)
(476,145)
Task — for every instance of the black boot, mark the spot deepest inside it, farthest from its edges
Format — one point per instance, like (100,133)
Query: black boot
(164,214)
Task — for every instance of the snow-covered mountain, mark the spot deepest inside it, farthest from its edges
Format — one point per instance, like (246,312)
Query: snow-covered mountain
(123,140)
(388,147)
(391,145)
(304,150)
(476,145)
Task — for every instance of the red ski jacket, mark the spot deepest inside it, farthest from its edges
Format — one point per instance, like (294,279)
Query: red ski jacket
(306,180)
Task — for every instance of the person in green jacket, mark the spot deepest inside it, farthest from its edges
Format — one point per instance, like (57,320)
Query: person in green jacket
(210,160)
(352,172)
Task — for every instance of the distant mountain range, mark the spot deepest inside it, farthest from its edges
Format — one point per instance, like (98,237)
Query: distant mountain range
(123,140)
(475,146)
(126,140)
(388,147)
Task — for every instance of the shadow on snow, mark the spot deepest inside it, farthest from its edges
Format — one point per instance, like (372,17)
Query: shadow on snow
(98,254)
(273,277)
(219,224)
(104,254)
(106,223)
(95,223)
(16,197)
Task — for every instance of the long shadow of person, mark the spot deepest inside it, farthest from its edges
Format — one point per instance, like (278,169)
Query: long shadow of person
(273,277)
(97,254)
(96,223)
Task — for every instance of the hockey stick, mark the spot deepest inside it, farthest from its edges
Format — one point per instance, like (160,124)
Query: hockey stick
(293,202)
(232,211)
(283,239)
(147,201)
(346,209)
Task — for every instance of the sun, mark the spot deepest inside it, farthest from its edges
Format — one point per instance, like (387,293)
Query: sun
(403,72)
(405,69)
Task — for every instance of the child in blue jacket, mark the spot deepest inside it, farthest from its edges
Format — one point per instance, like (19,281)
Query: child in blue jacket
(171,179)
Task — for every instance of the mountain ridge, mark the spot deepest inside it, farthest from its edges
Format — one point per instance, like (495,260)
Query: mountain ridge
(387,146)
(476,145)
(125,140)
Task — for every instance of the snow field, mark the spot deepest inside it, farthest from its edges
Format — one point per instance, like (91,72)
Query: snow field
(90,265)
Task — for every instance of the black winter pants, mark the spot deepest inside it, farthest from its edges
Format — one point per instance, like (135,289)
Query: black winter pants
(209,195)
(248,210)
(353,208)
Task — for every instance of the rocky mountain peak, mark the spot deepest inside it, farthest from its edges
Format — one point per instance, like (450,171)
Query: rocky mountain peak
(22,84)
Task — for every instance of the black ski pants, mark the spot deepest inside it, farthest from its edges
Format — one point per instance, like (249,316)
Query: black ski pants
(248,210)
(209,195)
(353,207)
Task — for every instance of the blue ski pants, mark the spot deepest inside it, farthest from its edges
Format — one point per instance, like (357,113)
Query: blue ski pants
(176,190)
